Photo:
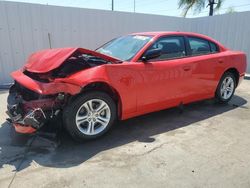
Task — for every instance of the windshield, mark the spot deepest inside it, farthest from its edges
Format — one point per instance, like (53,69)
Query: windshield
(124,48)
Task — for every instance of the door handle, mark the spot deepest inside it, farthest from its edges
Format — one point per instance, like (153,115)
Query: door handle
(187,68)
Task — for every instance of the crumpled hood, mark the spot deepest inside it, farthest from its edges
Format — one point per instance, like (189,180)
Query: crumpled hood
(49,59)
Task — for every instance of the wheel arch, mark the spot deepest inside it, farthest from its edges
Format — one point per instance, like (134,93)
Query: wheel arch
(107,88)
(236,73)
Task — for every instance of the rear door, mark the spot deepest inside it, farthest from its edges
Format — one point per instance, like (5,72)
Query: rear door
(205,59)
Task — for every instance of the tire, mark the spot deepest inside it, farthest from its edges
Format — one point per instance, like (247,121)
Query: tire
(225,91)
(83,119)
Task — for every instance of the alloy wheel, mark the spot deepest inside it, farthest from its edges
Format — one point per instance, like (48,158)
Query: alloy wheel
(93,117)
(227,88)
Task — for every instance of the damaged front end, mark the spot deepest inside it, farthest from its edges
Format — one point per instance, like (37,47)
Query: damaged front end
(29,111)
(41,89)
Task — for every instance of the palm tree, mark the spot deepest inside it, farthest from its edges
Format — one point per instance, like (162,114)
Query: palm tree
(198,5)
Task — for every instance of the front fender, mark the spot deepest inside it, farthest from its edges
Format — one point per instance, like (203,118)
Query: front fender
(117,77)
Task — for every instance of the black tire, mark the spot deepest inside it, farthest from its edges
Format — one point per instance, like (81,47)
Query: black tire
(218,94)
(70,111)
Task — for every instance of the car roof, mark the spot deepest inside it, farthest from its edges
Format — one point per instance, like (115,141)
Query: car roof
(160,33)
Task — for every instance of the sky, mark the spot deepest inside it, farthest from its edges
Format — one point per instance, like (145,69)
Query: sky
(160,7)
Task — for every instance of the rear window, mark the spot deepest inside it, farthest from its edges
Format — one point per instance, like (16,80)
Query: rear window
(214,47)
(198,46)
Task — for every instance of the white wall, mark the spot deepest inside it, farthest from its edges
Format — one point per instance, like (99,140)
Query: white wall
(24,29)
(232,30)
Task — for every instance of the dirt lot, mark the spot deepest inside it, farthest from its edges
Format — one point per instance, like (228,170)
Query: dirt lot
(208,145)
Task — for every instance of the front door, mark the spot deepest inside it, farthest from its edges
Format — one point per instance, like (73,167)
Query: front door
(164,81)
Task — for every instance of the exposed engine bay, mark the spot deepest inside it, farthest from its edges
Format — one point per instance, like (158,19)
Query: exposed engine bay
(28,108)
(80,62)
(73,64)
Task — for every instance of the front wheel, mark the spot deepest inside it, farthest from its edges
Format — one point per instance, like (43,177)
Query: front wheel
(89,116)
(226,88)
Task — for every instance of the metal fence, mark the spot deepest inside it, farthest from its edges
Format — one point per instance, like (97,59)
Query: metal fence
(25,28)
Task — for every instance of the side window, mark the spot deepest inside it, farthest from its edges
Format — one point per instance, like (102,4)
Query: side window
(198,46)
(171,47)
(214,47)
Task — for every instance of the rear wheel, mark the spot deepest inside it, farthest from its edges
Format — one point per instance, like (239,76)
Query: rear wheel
(226,87)
(90,115)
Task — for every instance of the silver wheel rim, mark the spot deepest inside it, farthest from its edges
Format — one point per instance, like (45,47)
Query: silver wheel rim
(93,117)
(227,88)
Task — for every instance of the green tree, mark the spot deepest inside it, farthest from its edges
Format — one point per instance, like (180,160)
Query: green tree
(230,10)
(198,5)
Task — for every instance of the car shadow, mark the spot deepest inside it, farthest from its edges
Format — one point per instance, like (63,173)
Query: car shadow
(62,152)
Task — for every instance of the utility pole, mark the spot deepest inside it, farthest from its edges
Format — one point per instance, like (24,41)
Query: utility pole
(112,5)
(134,5)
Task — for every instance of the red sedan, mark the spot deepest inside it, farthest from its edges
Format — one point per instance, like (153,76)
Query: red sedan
(126,77)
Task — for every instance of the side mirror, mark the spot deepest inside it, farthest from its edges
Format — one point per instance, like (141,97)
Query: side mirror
(150,54)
